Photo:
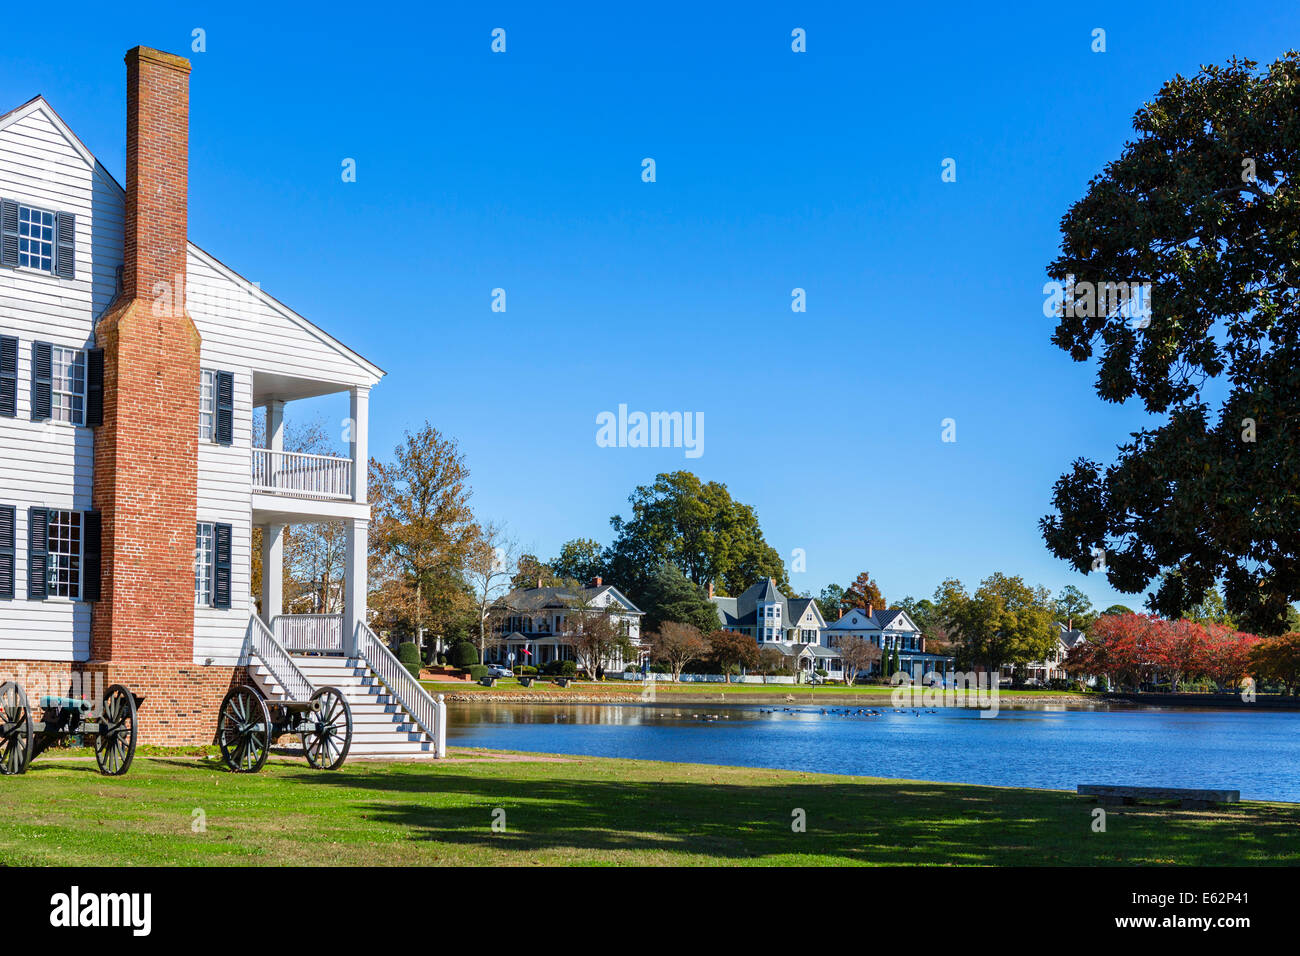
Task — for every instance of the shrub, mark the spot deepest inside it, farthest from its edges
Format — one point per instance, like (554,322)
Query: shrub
(1058,683)
(526,671)
(409,654)
(464,654)
(1102,685)
(477,671)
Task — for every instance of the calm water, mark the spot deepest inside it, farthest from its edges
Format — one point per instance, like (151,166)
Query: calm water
(1255,752)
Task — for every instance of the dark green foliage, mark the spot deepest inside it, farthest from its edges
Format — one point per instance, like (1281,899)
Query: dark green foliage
(1202,204)
(463,654)
(581,560)
(409,655)
(697,527)
(670,596)
(477,671)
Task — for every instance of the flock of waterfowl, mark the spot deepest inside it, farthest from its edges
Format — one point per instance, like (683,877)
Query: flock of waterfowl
(824,712)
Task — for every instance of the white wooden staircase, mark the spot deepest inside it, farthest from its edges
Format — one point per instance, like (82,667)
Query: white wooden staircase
(393,717)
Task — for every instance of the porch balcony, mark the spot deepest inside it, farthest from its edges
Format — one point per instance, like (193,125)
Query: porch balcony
(294,488)
(277,473)
(300,475)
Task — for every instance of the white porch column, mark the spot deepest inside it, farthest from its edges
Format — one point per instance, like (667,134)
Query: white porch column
(275,424)
(359,440)
(354,581)
(272,572)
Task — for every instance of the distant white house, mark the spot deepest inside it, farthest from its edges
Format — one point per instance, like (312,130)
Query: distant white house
(796,627)
(1067,639)
(792,626)
(888,630)
(532,623)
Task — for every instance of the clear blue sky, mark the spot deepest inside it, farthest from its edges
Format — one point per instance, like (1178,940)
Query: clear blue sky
(775,170)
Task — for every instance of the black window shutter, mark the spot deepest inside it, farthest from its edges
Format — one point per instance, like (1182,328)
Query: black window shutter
(8,232)
(8,376)
(94,386)
(221,566)
(225,425)
(7,518)
(42,373)
(38,553)
(65,245)
(91,534)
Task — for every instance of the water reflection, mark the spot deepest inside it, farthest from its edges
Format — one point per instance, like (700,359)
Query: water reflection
(1049,745)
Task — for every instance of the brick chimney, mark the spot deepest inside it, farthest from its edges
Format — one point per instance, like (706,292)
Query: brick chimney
(868,610)
(146,451)
(710,590)
(596,581)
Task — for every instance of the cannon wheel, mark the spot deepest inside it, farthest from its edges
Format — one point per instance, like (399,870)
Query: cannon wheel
(244,730)
(115,742)
(327,736)
(16,733)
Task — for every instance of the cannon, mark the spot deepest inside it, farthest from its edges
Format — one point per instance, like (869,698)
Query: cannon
(249,724)
(113,729)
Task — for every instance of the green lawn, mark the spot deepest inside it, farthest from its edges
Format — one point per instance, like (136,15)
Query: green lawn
(589,811)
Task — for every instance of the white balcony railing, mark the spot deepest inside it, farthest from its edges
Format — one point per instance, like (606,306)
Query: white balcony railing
(302,475)
(322,633)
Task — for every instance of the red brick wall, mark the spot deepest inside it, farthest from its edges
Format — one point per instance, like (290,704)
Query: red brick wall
(181,701)
(157,172)
(146,451)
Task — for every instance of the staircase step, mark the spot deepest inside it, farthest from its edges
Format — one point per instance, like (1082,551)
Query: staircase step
(380,727)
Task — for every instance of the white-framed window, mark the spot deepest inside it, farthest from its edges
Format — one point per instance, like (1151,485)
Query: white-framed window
(64,554)
(68,385)
(207,405)
(36,238)
(204,542)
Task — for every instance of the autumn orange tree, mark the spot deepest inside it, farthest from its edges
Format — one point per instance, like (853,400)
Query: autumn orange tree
(422,534)
(729,649)
(1277,660)
(677,645)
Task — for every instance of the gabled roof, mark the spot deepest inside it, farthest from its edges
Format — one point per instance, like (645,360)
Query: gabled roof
(1069,637)
(40,104)
(275,304)
(742,611)
(892,619)
(531,600)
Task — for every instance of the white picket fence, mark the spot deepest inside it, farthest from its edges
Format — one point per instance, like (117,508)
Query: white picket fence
(708,678)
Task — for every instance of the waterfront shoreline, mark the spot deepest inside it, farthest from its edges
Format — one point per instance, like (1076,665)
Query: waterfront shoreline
(875,701)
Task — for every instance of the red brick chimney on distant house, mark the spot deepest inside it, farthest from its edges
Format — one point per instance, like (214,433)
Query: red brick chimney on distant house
(146,450)
(868,610)
(596,581)
(710,590)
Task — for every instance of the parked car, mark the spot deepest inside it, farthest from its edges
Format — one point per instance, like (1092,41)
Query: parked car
(499,670)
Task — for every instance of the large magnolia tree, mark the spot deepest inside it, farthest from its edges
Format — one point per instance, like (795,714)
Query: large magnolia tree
(1202,204)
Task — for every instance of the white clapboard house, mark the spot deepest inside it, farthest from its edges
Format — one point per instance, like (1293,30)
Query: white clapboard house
(132,364)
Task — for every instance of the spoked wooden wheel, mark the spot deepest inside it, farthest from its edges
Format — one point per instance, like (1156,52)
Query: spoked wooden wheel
(16,734)
(115,742)
(327,731)
(244,730)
